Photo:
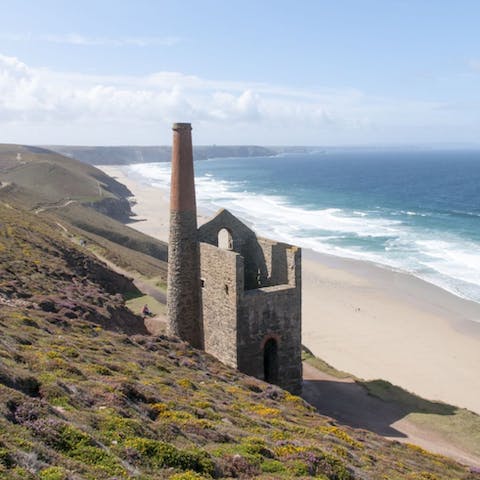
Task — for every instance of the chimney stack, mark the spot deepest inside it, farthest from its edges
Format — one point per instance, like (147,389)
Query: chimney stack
(184,288)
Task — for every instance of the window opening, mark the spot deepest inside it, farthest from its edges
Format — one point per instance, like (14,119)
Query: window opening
(225,239)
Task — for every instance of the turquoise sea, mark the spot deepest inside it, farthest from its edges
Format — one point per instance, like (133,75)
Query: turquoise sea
(416,211)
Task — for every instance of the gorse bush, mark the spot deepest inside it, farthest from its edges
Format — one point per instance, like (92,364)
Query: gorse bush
(161,454)
(53,473)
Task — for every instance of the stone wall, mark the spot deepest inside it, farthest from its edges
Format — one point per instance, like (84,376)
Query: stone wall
(251,293)
(183,291)
(275,257)
(244,242)
(241,234)
(221,274)
(271,312)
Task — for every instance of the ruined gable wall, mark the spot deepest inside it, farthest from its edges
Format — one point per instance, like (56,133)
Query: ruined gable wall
(208,232)
(222,275)
(256,268)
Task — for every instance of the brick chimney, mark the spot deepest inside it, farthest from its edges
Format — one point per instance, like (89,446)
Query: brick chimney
(184,287)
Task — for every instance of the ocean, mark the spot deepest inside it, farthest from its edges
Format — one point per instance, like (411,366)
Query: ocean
(415,211)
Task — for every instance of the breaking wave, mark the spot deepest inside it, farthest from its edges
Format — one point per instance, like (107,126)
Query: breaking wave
(385,236)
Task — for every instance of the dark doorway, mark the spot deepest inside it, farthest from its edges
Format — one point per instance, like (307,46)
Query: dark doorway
(270,361)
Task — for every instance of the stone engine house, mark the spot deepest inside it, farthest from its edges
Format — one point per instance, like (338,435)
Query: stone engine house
(251,301)
(233,294)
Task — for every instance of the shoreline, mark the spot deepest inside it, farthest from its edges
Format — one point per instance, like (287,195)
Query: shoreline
(366,319)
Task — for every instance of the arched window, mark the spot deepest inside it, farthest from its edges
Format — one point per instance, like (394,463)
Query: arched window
(270,361)
(225,239)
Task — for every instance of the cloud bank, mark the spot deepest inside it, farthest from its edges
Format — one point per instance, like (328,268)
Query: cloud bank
(45,106)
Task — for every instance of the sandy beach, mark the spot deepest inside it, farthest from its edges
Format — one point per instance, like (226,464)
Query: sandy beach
(368,320)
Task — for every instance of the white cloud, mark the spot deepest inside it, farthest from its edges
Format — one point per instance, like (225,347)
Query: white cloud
(474,64)
(44,106)
(230,107)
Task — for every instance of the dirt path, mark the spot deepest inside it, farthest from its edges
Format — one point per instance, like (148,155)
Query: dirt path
(53,207)
(349,404)
(155,325)
(148,289)
(141,284)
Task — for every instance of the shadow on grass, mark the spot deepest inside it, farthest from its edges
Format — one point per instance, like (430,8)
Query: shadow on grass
(388,392)
(371,405)
(322,365)
(132,295)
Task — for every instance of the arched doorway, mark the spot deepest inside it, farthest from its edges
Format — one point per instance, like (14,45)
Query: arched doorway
(225,239)
(270,361)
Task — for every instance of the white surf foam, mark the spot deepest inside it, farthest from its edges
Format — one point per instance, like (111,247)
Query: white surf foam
(451,263)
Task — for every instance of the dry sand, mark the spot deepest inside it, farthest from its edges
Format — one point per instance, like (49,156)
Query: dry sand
(368,320)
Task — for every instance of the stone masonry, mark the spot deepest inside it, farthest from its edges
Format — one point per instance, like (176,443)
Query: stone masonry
(251,296)
(230,292)
(183,294)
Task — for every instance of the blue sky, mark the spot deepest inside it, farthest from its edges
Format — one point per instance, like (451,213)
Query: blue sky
(341,72)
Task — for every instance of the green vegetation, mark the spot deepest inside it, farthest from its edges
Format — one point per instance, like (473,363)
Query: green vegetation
(83,202)
(80,399)
(86,394)
(458,426)
(50,178)
(98,225)
(136,305)
(392,393)
(53,473)
(319,364)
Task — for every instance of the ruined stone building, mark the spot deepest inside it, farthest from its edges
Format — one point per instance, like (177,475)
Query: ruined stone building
(231,293)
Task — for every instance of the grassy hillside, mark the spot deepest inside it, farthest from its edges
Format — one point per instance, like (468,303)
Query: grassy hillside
(126,247)
(84,200)
(81,399)
(38,170)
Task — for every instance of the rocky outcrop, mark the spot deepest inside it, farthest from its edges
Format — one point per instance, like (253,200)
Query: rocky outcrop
(117,208)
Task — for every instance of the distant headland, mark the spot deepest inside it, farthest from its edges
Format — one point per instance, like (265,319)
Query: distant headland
(124,155)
